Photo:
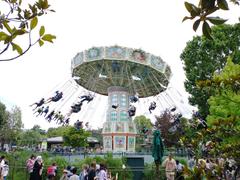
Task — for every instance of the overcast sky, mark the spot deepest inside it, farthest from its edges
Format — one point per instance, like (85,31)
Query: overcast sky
(152,25)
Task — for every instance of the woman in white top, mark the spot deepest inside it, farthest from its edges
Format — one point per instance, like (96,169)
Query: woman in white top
(102,174)
(74,176)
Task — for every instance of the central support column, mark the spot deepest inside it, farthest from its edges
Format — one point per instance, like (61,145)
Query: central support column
(119,131)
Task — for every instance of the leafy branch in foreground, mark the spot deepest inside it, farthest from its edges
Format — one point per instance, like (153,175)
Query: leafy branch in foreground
(203,13)
(19,22)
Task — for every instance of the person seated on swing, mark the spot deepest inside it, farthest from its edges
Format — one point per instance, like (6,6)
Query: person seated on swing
(152,106)
(45,111)
(76,107)
(177,118)
(50,115)
(78,125)
(87,98)
(173,109)
(145,131)
(56,116)
(201,123)
(38,104)
(87,124)
(115,106)
(196,114)
(55,98)
(39,111)
(131,110)
(60,119)
(67,120)
(134,98)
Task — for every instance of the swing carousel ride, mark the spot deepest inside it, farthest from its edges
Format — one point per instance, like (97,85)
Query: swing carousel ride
(126,76)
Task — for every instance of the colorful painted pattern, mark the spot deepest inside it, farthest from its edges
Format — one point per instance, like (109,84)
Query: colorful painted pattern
(131,143)
(120,142)
(115,52)
(94,53)
(157,63)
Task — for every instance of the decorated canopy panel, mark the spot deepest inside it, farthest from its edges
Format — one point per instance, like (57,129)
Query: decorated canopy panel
(101,67)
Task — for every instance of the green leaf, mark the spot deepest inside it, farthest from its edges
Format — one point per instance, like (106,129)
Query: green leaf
(5,24)
(192,9)
(222,4)
(48,37)
(20,32)
(16,47)
(216,20)
(45,4)
(42,31)
(195,11)
(206,30)
(3,36)
(40,42)
(188,6)
(33,23)
(207,4)
(196,24)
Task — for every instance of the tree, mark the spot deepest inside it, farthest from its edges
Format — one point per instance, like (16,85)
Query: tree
(29,138)
(3,119)
(3,114)
(144,129)
(11,126)
(168,125)
(223,131)
(224,117)
(76,138)
(141,122)
(14,124)
(203,11)
(55,132)
(203,57)
(38,129)
(18,22)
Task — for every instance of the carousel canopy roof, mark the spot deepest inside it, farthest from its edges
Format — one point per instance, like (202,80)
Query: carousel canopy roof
(98,68)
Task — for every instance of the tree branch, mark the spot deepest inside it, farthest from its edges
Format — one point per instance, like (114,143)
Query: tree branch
(5,48)
(29,46)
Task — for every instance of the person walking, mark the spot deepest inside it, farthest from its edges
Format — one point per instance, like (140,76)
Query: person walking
(37,169)
(84,173)
(170,167)
(29,164)
(179,170)
(92,171)
(65,175)
(102,175)
(5,170)
(74,176)
(52,171)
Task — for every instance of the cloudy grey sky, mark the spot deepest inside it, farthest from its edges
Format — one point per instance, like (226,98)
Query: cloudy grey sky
(152,25)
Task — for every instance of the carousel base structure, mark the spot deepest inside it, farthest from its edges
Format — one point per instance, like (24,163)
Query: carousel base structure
(119,131)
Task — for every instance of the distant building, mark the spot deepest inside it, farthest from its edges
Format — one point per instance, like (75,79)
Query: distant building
(58,141)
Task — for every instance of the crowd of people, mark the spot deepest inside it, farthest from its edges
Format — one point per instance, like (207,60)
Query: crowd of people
(93,172)
(217,169)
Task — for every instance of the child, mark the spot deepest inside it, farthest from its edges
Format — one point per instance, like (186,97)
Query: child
(5,169)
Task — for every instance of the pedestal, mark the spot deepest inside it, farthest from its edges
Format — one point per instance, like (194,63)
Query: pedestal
(119,131)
